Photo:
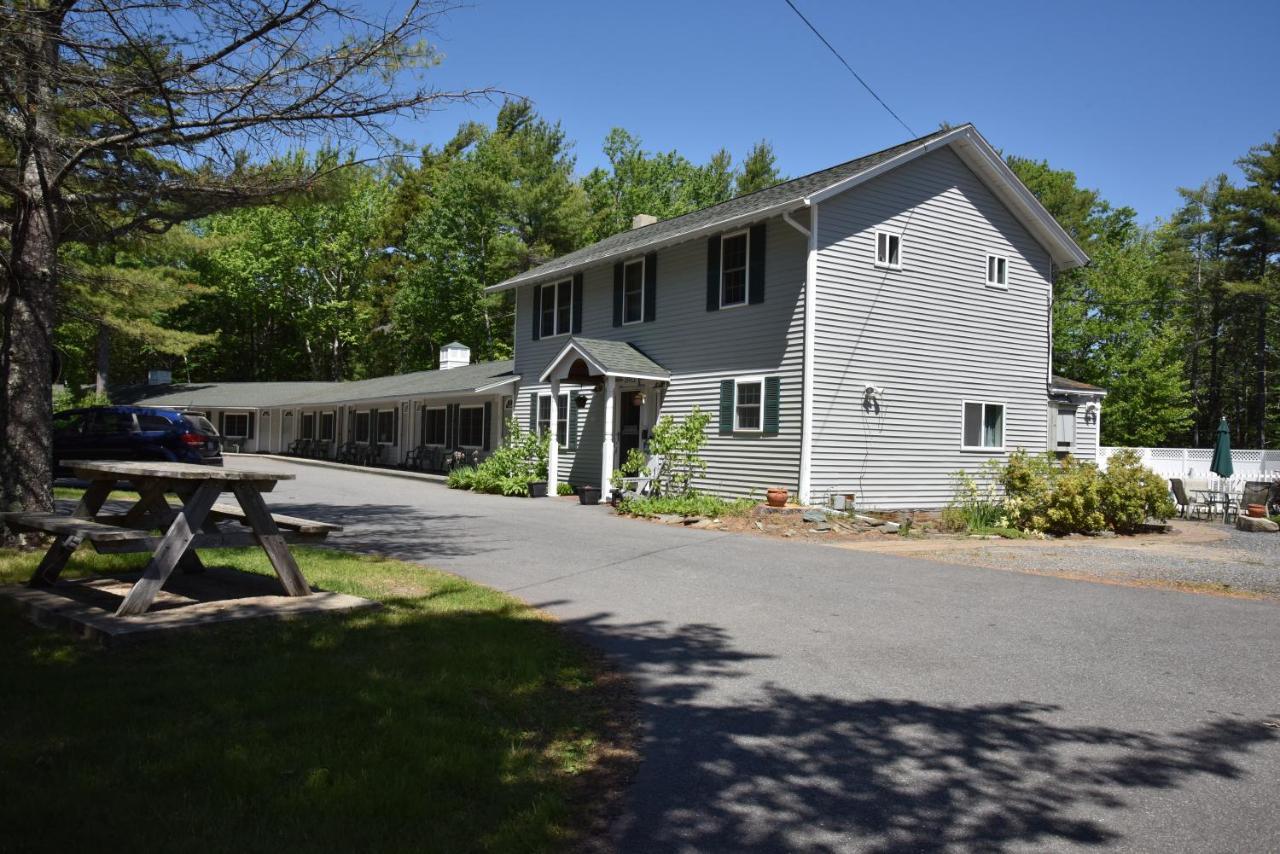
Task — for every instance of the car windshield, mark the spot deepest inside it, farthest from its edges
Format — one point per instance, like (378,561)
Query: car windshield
(201,424)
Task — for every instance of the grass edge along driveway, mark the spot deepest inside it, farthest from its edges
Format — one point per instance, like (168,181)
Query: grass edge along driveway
(452,718)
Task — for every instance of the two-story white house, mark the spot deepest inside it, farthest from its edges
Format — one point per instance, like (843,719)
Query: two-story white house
(866,329)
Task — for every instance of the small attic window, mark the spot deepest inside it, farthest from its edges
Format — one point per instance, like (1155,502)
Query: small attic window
(997,271)
(888,250)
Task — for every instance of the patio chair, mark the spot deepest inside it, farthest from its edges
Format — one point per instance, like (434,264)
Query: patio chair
(643,483)
(1256,492)
(1190,504)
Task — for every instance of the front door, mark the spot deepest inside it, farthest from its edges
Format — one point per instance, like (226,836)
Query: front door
(629,424)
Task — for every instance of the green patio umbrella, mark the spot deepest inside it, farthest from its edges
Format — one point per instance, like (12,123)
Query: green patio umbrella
(1221,465)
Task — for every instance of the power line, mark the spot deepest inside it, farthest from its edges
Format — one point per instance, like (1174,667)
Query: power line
(845,63)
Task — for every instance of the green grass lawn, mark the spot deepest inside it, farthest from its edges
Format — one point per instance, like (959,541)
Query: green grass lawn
(454,718)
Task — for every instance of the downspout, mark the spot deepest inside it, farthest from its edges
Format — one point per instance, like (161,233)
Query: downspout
(806,360)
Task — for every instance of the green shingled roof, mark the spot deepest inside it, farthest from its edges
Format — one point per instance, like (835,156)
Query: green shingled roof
(254,395)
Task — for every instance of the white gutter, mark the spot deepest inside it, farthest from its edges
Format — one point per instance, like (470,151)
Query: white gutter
(805,486)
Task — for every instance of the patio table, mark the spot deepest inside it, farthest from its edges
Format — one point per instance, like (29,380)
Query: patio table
(190,526)
(1218,500)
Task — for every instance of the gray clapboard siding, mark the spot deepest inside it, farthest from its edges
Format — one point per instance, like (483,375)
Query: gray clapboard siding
(931,334)
(699,348)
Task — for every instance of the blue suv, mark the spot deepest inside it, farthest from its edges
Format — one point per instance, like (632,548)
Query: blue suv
(135,433)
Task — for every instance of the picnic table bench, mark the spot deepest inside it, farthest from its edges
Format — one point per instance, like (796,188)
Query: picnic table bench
(186,527)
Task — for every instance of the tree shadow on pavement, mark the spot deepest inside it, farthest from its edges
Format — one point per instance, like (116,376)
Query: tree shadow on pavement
(785,770)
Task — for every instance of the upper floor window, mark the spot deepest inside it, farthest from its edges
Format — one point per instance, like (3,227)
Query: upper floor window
(633,291)
(997,271)
(557,308)
(888,250)
(734,251)
(983,426)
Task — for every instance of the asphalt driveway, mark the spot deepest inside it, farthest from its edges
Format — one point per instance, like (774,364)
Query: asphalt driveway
(811,698)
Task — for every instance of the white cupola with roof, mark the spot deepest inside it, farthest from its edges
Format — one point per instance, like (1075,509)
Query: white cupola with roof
(454,355)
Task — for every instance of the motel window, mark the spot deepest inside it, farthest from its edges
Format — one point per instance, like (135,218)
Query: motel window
(997,271)
(1064,428)
(386,426)
(888,250)
(733,269)
(633,291)
(749,400)
(471,426)
(308,425)
(433,426)
(326,426)
(362,427)
(562,417)
(557,308)
(235,425)
(983,426)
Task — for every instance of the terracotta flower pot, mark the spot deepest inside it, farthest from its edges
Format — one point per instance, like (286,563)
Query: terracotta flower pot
(777,497)
(1257,511)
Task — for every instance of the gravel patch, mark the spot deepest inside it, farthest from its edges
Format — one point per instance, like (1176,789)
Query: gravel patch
(1242,562)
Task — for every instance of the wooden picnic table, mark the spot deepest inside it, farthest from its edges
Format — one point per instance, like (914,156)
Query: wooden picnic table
(187,527)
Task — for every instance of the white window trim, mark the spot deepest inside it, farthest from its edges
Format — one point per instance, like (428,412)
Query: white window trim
(542,307)
(875,249)
(373,424)
(562,412)
(746,271)
(643,287)
(460,411)
(1004,426)
(241,414)
(355,426)
(992,284)
(739,381)
(426,410)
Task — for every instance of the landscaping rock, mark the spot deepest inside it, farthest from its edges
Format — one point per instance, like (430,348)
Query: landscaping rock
(814,516)
(891,527)
(1256,525)
(670,518)
(869,520)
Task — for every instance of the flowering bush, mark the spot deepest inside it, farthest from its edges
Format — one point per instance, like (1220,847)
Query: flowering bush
(510,469)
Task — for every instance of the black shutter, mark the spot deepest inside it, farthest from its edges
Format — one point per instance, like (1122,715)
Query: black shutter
(573,421)
(772,388)
(650,285)
(537,312)
(457,425)
(576,327)
(726,407)
(488,413)
(222,423)
(252,416)
(713,273)
(755,264)
(533,412)
(395,426)
(448,426)
(617,294)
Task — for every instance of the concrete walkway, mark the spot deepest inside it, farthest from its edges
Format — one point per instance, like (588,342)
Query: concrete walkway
(812,698)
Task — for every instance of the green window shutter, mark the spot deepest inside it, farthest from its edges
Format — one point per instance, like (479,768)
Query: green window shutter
(713,273)
(533,412)
(650,286)
(772,387)
(576,321)
(617,294)
(222,423)
(726,407)
(488,414)
(250,430)
(573,424)
(755,276)
(537,312)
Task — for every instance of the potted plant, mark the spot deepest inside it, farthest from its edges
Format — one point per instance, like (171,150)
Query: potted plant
(537,489)
(777,496)
(589,495)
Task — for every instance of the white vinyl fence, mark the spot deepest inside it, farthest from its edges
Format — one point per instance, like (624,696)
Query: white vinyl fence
(1194,462)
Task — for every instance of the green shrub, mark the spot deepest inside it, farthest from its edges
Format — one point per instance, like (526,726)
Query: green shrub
(462,477)
(1132,493)
(563,488)
(689,504)
(1051,495)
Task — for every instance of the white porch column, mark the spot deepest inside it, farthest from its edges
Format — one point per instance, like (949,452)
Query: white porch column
(553,452)
(606,447)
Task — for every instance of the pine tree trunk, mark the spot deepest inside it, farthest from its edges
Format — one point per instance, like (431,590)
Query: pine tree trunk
(104,360)
(27,406)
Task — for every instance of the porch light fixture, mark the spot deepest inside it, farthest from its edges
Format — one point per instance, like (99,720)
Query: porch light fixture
(638,398)
(580,401)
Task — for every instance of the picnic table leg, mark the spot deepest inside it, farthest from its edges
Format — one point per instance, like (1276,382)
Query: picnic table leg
(190,562)
(95,495)
(175,543)
(56,558)
(269,538)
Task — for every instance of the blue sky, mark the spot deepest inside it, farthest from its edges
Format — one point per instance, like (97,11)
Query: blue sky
(1136,98)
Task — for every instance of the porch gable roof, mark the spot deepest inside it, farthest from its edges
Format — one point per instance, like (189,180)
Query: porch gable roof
(607,359)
